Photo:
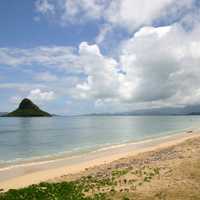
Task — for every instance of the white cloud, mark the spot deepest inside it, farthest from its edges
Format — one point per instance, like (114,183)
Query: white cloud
(129,14)
(58,56)
(101,74)
(148,31)
(134,13)
(155,67)
(85,49)
(45,7)
(71,11)
(21,87)
(159,67)
(88,9)
(39,95)
(36,95)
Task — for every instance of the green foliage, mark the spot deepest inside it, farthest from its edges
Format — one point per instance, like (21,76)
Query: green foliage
(118,173)
(125,198)
(50,191)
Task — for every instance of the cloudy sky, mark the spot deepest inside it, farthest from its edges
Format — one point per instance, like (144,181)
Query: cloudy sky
(83,56)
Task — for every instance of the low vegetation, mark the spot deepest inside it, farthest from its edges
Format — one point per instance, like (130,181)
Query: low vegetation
(86,188)
(50,191)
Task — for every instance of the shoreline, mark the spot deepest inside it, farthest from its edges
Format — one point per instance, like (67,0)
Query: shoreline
(74,153)
(23,175)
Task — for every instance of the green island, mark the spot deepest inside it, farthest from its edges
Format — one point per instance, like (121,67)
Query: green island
(27,109)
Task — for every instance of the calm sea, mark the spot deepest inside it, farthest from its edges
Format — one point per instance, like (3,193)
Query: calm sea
(27,138)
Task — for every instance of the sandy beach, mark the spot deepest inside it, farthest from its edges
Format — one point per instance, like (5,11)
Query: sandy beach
(68,168)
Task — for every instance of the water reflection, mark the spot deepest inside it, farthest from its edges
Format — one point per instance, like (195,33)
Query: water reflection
(28,137)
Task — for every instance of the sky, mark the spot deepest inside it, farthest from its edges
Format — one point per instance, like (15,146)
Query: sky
(92,56)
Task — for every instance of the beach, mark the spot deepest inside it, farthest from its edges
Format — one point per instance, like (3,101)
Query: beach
(99,161)
(100,100)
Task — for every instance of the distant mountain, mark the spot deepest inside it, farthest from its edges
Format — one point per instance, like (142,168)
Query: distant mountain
(187,110)
(2,113)
(28,109)
(194,113)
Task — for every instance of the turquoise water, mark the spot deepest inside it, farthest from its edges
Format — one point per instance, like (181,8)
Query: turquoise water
(27,138)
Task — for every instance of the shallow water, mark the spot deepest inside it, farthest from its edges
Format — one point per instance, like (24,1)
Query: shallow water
(27,138)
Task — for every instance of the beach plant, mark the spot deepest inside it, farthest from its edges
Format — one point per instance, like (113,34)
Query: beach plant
(50,191)
(125,198)
(118,173)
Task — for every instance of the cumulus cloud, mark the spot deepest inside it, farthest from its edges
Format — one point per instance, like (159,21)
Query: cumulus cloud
(132,14)
(156,66)
(166,63)
(39,95)
(101,74)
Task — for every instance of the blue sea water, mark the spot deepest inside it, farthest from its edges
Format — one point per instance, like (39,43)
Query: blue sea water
(28,138)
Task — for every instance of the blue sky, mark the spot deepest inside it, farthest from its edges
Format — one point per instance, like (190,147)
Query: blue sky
(19,29)
(84,56)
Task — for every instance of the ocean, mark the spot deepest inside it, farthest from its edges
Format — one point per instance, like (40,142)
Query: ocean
(23,139)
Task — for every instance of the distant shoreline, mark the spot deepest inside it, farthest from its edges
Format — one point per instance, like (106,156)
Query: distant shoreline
(34,172)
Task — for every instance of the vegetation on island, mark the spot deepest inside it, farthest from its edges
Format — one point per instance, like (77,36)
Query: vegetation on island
(28,109)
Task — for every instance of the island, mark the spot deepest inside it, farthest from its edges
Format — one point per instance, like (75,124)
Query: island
(28,109)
